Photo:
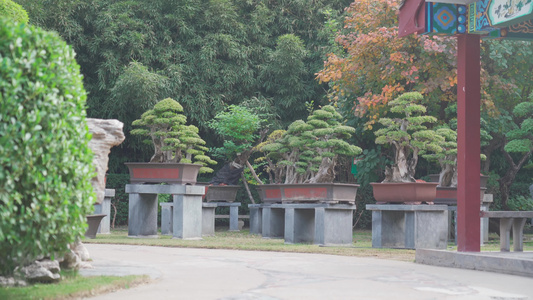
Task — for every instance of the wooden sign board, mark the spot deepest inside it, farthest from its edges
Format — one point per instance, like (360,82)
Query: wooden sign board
(488,15)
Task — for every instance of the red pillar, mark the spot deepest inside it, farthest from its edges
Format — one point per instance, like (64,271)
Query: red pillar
(468,147)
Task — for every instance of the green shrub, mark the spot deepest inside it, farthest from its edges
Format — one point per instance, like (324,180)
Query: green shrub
(13,11)
(45,162)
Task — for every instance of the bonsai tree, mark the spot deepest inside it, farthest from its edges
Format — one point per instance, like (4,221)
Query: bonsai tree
(408,135)
(308,151)
(447,159)
(173,140)
(239,127)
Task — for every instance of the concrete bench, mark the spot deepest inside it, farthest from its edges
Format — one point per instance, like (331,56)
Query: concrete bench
(320,223)
(510,219)
(233,213)
(208,217)
(409,226)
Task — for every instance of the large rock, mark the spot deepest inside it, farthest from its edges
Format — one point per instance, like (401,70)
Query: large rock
(106,134)
(70,261)
(80,250)
(12,282)
(45,271)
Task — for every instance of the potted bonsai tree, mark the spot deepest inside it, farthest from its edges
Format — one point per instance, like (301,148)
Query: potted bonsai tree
(179,152)
(410,139)
(239,126)
(447,160)
(301,161)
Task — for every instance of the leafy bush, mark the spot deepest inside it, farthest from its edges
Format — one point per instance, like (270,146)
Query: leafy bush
(238,125)
(45,161)
(13,11)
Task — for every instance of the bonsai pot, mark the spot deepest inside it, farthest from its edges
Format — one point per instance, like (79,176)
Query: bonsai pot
(308,192)
(448,195)
(94,222)
(482,179)
(171,173)
(434,177)
(404,192)
(221,193)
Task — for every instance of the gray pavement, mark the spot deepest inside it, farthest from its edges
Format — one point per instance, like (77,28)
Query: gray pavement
(181,273)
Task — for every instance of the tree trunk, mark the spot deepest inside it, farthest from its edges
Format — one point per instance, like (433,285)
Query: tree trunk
(399,172)
(506,181)
(326,171)
(494,144)
(247,188)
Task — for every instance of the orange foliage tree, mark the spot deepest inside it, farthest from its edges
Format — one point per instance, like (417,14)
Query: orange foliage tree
(376,65)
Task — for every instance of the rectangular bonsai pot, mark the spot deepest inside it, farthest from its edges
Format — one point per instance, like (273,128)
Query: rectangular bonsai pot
(448,195)
(308,192)
(402,192)
(221,193)
(171,173)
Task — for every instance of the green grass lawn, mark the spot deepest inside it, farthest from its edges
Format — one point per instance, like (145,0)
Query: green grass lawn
(242,240)
(73,286)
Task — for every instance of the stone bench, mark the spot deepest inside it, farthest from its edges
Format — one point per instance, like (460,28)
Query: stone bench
(208,217)
(409,226)
(233,213)
(510,219)
(320,223)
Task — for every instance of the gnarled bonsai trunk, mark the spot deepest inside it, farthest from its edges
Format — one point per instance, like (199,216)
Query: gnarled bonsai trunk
(448,175)
(403,169)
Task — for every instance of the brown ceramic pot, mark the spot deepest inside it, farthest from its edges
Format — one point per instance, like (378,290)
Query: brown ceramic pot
(404,192)
(308,192)
(171,173)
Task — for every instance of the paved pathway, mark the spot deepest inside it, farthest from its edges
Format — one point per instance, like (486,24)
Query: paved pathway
(180,273)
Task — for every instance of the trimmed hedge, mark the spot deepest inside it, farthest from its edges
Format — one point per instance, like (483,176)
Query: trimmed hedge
(13,11)
(45,161)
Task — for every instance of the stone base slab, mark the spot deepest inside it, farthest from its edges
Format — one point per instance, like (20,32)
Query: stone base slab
(514,263)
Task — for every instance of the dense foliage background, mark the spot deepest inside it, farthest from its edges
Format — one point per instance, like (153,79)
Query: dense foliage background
(209,54)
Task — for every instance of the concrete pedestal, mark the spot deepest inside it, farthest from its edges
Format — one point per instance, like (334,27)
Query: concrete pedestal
(208,218)
(409,226)
(273,221)
(105,209)
(484,225)
(321,223)
(186,214)
(256,218)
(233,213)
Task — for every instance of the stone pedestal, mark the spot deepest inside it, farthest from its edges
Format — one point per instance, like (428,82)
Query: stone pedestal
(105,208)
(208,218)
(484,226)
(273,221)
(186,214)
(317,223)
(321,223)
(256,218)
(409,226)
(233,213)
